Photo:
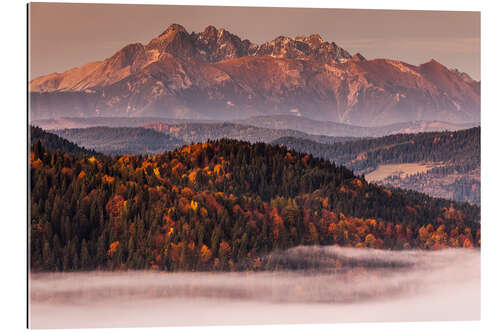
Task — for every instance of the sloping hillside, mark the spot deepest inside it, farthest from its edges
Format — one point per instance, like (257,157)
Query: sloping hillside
(221,206)
(450,161)
(121,140)
(55,143)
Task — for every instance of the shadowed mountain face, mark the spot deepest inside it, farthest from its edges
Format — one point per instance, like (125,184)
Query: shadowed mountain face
(216,75)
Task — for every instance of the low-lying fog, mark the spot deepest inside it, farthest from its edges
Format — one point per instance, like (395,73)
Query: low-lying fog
(372,285)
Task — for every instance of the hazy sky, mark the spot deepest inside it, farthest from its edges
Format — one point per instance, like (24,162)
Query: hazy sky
(63,36)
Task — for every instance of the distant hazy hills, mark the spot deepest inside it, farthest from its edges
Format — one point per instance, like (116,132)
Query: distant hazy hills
(160,137)
(279,122)
(340,129)
(121,140)
(215,75)
(143,136)
(201,132)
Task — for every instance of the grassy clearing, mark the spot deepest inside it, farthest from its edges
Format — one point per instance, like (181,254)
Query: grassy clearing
(402,170)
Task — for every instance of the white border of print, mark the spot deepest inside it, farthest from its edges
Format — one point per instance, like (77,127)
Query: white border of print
(13,166)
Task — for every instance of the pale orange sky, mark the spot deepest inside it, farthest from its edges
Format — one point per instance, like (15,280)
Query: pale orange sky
(63,36)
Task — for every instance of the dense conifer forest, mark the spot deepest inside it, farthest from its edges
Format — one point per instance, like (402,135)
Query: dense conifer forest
(53,142)
(460,149)
(457,154)
(220,205)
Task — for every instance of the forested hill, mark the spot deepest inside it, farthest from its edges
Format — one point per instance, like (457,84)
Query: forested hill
(461,148)
(221,205)
(159,137)
(202,132)
(441,164)
(55,143)
(121,140)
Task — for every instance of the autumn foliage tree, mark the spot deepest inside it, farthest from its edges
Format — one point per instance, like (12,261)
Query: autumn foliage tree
(220,205)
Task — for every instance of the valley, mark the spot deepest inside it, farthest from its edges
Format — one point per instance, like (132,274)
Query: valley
(440,285)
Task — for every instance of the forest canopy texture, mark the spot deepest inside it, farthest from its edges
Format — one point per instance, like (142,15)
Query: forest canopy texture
(219,205)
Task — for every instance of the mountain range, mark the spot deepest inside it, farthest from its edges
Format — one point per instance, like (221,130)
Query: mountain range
(216,75)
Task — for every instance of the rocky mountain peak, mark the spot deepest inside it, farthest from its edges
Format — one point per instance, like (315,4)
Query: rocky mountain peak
(223,34)
(174,28)
(217,44)
(464,76)
(185,75)
(314,40)
(315,37)
(312,47)
(433,63)
(130,55)
(434,67)
(175,40)
(358,57)
(210,29)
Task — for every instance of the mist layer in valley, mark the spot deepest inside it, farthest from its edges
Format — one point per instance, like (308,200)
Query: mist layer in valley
(302,285)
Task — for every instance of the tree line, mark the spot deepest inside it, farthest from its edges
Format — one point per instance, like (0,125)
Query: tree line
(220,205)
